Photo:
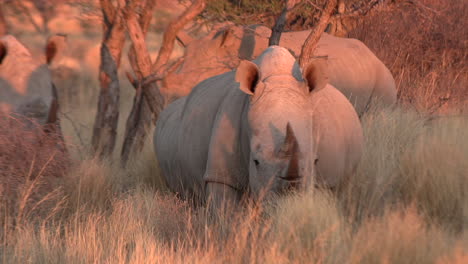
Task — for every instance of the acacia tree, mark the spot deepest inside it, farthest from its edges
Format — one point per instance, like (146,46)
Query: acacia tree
(145,111)
(133,17)
(105,125)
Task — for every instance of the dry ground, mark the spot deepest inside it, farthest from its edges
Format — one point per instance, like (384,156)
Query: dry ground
(407,203)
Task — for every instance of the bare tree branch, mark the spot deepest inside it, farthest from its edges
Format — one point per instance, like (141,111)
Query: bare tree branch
(312,40)
(108,10)
(280,22)
(145,112)
(24,9)
(141,115)
(171,33)
(144,68)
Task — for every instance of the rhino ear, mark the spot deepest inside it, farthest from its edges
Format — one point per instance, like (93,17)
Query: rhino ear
(247,76)
(316,73)
(3,52)
(55,44)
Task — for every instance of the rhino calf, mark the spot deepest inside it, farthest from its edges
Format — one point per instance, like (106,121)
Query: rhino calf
(266,126)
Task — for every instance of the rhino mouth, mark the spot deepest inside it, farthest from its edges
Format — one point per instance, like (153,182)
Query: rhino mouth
(290,183)
(291,178)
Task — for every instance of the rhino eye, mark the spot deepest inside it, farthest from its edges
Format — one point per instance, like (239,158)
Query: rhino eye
(256,162)
(316,161)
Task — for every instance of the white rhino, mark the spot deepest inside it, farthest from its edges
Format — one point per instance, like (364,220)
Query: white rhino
(26,87)
(264,125)
(353,68)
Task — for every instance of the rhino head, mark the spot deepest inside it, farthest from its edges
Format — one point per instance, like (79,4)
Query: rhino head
(282,143)
(26,86)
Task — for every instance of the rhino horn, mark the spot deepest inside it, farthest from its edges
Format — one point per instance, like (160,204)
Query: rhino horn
(293,168)
(290,145)
(316,73)
(290,148)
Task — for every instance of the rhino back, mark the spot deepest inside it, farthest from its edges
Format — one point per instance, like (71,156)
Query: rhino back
(354,69)
(183,134)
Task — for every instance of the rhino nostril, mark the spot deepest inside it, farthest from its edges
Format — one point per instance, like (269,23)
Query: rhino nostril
(256,162)
(316,161)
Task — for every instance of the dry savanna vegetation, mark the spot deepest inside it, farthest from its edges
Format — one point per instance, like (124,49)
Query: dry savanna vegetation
(407,202)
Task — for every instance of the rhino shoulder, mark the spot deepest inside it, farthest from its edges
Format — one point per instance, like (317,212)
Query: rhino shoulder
(339,132)
(331,101)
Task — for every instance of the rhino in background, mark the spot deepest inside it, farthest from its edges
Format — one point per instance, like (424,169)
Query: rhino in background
(264,126)
(26,87)
(353,68)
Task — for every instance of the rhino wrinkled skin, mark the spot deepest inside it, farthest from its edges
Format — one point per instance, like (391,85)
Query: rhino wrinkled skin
(266,126)
(26,86)
(353,68)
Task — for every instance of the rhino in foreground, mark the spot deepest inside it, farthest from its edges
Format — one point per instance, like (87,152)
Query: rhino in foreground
(26,88)
(353,67)
(266,126)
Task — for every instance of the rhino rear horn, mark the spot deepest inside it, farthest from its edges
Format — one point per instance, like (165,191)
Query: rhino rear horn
(316,73)
(247,76)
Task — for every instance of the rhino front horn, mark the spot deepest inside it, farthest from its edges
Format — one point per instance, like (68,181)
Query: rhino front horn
(290,145)
(290,149)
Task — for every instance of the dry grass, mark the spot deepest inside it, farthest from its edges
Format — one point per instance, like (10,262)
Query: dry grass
(31,165)
(426,49)
(406,204)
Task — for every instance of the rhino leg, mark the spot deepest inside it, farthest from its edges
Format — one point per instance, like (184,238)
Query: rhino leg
(220,196)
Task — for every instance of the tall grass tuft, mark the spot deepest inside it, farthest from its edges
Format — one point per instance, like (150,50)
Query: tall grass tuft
(405,204)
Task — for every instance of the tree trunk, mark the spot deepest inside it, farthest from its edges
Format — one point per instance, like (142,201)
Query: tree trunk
(105,125)
(312,40)
(139,124)
(148,102)
(140,120)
